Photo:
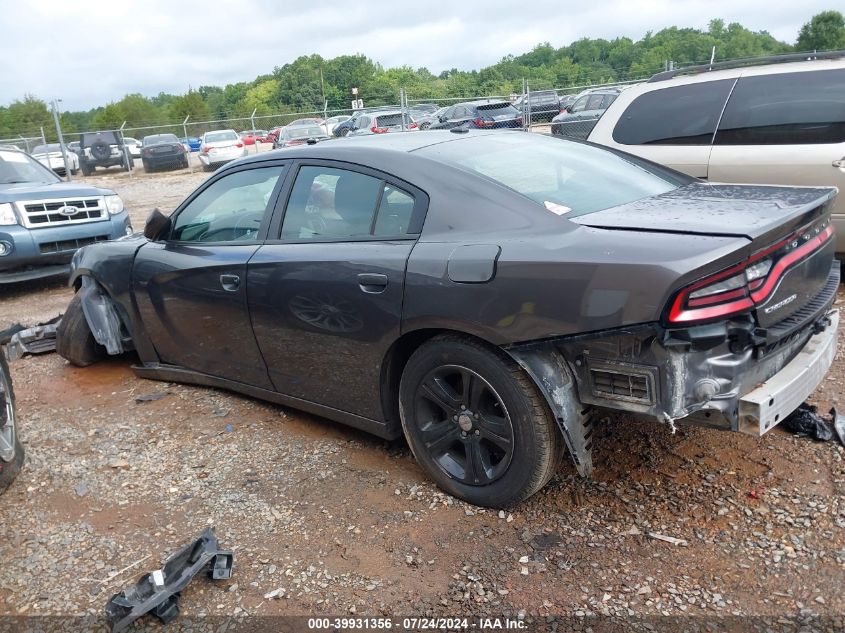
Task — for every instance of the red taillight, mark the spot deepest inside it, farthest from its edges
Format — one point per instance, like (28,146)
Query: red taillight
(744,286)
(483,123)
(413,126)
(205,149)
(239,145)
(379,130)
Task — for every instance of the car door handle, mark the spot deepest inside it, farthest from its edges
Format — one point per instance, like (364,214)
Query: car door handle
(230,282)
(372,282)
(839,163)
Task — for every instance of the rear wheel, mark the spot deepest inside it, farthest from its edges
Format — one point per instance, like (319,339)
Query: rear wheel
(74,340)
(8,429)
(87,169)
(476,423)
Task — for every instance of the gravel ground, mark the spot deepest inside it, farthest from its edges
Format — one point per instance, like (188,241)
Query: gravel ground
(330,521)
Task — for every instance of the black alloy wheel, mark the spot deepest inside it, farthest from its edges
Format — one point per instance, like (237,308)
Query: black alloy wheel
(464,425)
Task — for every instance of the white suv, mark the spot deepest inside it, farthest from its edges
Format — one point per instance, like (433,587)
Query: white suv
(777,120)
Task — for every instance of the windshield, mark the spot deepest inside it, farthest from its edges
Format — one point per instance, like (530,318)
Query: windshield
(17,167)
(565,177)
(216,137)
(304,132)
(157,139)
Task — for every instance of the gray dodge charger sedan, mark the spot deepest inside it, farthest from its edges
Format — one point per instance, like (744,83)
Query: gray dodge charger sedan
(482,293)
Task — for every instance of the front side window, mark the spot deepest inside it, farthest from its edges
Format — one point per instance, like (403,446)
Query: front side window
(680,115)
(230,209)
(785,109)
(17,167)
(329,203)
(580,104)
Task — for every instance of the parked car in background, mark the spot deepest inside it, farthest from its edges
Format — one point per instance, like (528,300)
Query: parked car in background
(102,149)
(777,120)
(425,121)
(479,293)
(133,145)
(422,109)
(74,147)
(578,119)
(382,122)
(44,220)
(52,157)
(220,146)
(192,143)
(328,124)
(251,137)
(481,114)
(545,105)
(307,121)
(292,135)
(343,128)
(163,150)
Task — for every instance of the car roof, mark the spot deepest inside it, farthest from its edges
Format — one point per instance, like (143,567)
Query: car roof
(479,102)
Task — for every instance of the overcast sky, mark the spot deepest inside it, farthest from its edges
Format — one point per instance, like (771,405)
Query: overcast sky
(92,52)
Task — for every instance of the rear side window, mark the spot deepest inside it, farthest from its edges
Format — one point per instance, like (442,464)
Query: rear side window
(680,115)
(330,203)
(497,109)
(786,109)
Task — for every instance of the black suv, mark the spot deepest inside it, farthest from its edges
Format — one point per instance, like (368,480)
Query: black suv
(102,149)
(485,114)
(578,119)
(545,105)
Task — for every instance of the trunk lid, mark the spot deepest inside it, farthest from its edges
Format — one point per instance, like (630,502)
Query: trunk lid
(760,213)
(788,229)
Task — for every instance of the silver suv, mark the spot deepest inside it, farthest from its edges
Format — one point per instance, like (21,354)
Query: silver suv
(777,120)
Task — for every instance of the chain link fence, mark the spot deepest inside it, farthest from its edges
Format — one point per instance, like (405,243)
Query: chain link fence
(26,143)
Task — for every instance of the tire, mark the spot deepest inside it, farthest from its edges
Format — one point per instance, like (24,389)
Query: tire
(207,167)
(147,167)
(100,150)
(503,423)
(344,131)
(87,169)
(74,341)
(9,470)
(185,164)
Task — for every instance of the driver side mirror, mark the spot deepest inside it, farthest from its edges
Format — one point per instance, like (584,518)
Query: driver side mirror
(156,226)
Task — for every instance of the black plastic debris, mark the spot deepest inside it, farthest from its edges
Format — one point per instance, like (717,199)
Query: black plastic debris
(38,339)
(807,422)
(158,592)
(151,397)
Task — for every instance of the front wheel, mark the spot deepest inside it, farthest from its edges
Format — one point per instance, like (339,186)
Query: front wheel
(74,340)
(476,423)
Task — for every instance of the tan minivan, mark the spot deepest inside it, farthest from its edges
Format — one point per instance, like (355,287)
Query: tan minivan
(780,121)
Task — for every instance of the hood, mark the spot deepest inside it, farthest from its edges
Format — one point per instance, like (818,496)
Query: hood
(34,191)
(756,212)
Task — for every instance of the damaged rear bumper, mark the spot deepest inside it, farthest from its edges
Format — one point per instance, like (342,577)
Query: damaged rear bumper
(768,404)
(730,375)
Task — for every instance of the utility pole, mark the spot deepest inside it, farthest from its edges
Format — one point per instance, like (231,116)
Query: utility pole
(55,106)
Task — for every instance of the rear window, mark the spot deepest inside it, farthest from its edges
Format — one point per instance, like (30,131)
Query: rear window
(156,139)
(216,137)
(44,149)
(785,109)
(565,177)
(680,115)
(389,120)
(304,132)
(497,109)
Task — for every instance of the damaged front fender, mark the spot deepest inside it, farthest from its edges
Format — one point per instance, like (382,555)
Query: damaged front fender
(103,318)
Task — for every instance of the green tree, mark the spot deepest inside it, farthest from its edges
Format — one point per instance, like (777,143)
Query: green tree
(109,118)
(190,104)
(825,31)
